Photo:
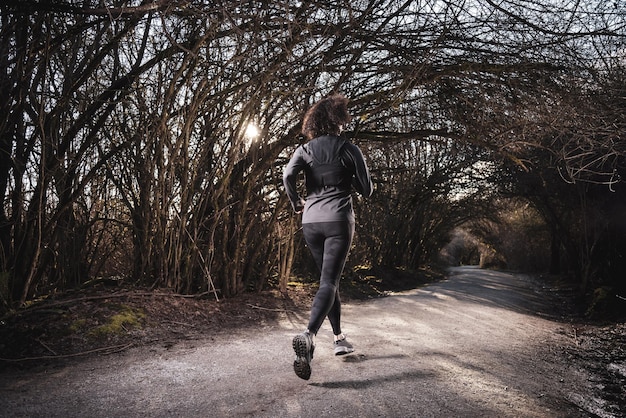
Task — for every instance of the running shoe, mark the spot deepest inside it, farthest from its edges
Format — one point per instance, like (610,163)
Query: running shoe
(303,346)
(342,347)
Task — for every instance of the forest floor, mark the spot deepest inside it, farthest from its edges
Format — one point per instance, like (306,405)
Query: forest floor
(101,327)
(111,316)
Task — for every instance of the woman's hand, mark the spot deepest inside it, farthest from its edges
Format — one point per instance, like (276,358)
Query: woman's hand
(300,206)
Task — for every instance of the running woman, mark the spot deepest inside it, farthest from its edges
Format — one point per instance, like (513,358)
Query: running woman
(332,168)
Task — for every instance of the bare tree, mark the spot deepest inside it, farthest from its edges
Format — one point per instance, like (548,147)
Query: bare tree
(126,127)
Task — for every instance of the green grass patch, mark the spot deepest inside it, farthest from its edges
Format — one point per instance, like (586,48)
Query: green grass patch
(119,323)
(78,325)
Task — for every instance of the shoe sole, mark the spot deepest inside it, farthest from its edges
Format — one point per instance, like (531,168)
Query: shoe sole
(301,364)
(340,351)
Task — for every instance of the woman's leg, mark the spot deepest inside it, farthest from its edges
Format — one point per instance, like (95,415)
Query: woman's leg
(329,243)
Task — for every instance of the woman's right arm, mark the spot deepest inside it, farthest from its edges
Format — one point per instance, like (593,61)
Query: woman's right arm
(290,176)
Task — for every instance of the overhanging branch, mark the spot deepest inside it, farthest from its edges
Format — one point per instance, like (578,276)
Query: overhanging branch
(420,134)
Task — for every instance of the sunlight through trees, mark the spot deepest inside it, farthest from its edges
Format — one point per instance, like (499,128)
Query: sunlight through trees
(146,140)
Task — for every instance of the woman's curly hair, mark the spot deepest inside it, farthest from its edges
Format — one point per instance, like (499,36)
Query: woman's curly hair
(326,117)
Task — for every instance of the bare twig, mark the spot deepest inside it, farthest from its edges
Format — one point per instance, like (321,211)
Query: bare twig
(180,323)
(109,350)
(47,347)
(111,296)
(268,309)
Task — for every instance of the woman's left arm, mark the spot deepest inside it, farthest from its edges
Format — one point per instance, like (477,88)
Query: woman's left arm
(290,176)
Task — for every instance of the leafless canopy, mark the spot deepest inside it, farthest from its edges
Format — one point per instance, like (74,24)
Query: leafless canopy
(123,149)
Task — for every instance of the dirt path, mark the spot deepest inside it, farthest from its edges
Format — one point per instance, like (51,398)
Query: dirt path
(478,344)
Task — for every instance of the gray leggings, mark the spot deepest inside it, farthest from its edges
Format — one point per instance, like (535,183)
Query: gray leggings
(329,243)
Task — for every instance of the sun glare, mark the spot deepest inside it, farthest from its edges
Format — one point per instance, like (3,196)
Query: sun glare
(252,131)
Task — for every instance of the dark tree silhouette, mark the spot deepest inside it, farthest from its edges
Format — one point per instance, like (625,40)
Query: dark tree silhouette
(123,147)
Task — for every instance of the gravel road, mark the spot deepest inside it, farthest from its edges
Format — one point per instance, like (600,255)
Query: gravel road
(479,344)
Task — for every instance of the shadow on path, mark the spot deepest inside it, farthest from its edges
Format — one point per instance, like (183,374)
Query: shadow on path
(362,384)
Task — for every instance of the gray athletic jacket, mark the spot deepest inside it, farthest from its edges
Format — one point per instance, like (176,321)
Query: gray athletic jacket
(332,166)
